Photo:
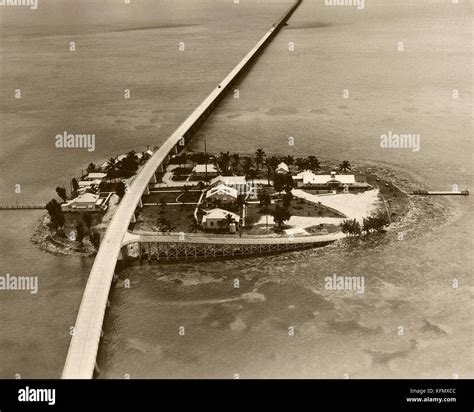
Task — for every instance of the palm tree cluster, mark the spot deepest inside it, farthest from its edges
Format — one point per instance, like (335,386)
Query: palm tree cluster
(123,168)
(374,223)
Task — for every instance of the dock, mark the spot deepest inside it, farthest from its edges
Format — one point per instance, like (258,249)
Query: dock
(440,192)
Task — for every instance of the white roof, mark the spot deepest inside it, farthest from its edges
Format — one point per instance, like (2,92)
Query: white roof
(93,176)
(87,197)
(150,152)
(138,155)
(121,157)
(310,177)
(222,190)
(220,214)
(83,183)
(229,180)
(202,169)
(84,198)
(283,166)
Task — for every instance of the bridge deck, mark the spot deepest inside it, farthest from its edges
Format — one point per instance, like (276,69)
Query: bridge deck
(81,357)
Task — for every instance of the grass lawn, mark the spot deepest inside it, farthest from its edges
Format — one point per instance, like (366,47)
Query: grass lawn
(187,197)
(178,215)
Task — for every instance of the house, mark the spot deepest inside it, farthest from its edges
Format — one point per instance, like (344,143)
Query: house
(221,194)
(217,219)
(87,202)
(201,170)
(331,182)
(96,176)
(238,183)
(282,168)
(88,183)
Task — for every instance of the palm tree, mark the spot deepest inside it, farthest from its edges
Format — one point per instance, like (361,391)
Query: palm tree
(313,163)
(235,163)
(259,156)
(251,175)
(301,163)
(111,168)
(229,219)
(289,160)
(248,164)
(345,166)
(223,160)
(271,163)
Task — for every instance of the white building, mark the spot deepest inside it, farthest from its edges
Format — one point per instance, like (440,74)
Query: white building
(87,202)
(333,181)
(221,194)
(282,168)
(217,219)
(238,183)
(96,176)
(84,184)
(201,170)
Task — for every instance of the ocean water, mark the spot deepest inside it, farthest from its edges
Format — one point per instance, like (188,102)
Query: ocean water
(298,93)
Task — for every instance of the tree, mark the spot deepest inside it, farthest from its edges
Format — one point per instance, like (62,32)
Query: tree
(194,226)
(264,199)
(56,214)
(235,162)
(280,215)
(287,198)
(271,163)
(130,162)
(95,240)
(91,168)
(74,184)
(223,161)
(351,227)
(248,164)
(345,166)
(87,219)
(289,160)
(283,183)
(164,225)
(251,175)
(259,156)
(111,168)
(313,163)
(80,233)
(375,222)
(229,219)
(120,189)
(61,193)
(240,201)
(302,163)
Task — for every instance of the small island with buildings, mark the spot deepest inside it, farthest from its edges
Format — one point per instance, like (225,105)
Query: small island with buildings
(223,195)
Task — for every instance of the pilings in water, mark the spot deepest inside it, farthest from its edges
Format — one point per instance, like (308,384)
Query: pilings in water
(189,251)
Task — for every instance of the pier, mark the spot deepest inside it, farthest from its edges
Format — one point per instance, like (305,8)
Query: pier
(22,207)
(179,247)
(81,357)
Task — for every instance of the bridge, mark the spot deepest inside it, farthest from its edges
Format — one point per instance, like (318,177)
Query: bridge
(81,357)
(188,246)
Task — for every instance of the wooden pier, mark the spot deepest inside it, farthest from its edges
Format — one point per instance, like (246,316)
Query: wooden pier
(22,207)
